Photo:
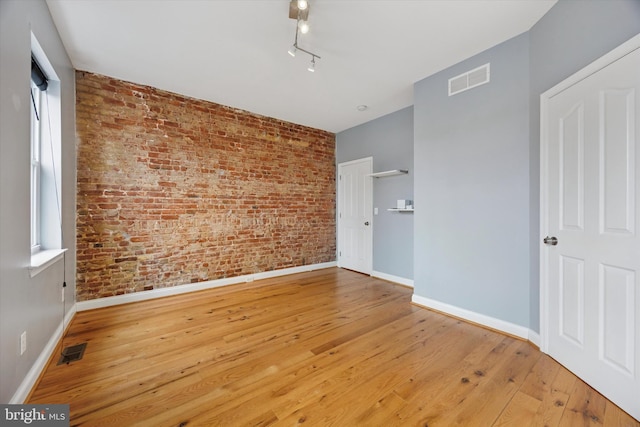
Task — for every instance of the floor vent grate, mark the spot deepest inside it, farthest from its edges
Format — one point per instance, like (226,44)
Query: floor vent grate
(72,353)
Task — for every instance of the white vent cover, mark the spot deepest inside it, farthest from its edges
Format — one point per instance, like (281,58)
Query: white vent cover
(470,79)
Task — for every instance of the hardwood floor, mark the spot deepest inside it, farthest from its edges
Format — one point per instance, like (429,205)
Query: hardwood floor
(330,347)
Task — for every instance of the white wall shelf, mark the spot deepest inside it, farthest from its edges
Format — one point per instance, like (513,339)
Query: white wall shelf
(389,173)
(400,210)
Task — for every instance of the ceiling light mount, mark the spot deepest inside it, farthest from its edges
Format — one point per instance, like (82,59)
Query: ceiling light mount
(299,10)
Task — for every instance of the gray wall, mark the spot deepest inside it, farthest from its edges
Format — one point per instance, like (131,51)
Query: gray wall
(477,161)
(389,140)
(472,179)
(28,304)
(569,37)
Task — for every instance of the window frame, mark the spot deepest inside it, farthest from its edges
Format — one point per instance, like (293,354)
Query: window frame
(47,243)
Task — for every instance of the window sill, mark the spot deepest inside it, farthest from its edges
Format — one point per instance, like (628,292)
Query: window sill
(41,260)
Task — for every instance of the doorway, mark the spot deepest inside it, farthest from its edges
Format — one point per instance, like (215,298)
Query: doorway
(355,223)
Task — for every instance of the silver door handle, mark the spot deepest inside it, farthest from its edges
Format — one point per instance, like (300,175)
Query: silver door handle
(550,241)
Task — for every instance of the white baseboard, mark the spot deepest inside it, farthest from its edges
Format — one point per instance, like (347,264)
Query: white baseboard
(192,287)
(472,316)
(391,278)
(40,364)
(534,338)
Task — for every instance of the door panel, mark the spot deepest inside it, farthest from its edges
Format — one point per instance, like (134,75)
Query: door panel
(618,168)
(617,317)
(571,314)
(572,169)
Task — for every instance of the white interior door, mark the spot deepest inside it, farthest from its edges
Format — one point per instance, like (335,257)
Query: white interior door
(354,215)
(591,271)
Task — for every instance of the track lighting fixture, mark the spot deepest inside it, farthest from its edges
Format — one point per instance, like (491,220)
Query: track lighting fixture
(299,10)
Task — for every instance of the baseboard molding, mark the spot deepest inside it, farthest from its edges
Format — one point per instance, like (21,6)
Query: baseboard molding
(40,364)
(394,279)
(534,338)
(192,287)
(471,316)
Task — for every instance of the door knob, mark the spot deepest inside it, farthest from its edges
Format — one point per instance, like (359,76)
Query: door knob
(366,223)
(550,241)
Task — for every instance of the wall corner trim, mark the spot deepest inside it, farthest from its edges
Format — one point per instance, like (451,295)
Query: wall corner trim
(392,278)
(481,319)
(30,380)
(192,287)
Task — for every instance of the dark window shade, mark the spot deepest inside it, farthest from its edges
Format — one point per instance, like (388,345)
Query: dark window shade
(38,76)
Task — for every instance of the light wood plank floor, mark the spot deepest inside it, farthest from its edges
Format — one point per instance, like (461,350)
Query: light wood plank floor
(325,348)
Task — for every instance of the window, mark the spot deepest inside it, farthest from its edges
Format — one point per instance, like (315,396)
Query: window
(46,163)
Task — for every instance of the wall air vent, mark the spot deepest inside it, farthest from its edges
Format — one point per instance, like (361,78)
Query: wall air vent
(470,79)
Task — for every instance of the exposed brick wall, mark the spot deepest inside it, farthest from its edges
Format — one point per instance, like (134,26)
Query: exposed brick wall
(175,190)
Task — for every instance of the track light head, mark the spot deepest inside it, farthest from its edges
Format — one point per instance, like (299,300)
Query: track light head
(303,26)
(303,4)
(312,66)
(292,51)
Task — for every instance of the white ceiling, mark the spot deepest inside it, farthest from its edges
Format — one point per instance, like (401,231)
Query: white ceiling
(234,52)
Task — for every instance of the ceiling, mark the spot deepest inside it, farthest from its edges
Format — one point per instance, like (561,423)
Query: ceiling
(234,52)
